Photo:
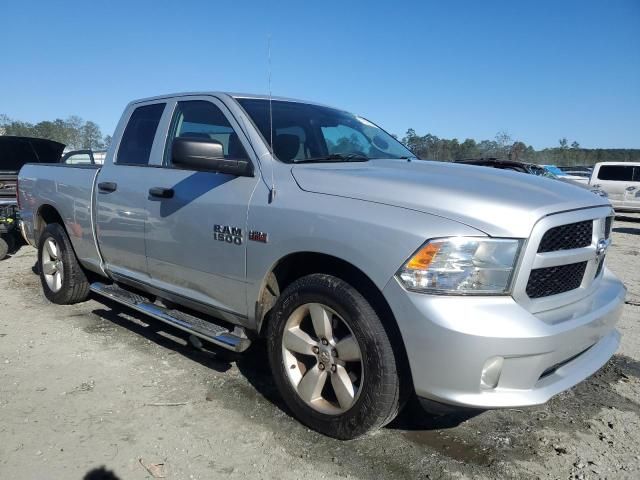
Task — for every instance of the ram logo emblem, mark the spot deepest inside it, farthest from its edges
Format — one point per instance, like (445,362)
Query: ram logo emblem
(226,233)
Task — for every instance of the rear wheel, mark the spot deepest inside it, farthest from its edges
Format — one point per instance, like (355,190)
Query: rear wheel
(4,248)
(63,280)
(332,359)
(11,242)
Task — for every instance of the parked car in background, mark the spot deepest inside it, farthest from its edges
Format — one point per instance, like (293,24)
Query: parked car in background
(84,157)
(14,153)
(577,171)
(521,167)
(563,175)
(621,181)
(531,169)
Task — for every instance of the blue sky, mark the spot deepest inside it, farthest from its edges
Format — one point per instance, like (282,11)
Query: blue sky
(465,69)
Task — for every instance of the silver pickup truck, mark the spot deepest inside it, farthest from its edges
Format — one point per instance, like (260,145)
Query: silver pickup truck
(371,275)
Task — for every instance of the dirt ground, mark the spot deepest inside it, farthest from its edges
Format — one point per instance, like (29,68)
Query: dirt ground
(91,386)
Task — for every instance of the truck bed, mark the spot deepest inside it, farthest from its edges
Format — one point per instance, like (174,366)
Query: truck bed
(69,189)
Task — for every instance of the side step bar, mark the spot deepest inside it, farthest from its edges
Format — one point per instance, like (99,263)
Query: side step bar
(204,329)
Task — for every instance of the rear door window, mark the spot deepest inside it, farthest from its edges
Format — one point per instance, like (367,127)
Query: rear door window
(137,140)
(619,173)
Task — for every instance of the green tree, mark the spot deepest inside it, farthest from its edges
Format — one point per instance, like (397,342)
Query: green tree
(503,141)
(517,151)
(74,132)
(91,136)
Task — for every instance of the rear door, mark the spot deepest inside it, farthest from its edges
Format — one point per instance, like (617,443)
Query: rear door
(122,194)
(195,240)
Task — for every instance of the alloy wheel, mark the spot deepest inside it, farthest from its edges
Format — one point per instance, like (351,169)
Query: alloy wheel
(322,359)
(52,266)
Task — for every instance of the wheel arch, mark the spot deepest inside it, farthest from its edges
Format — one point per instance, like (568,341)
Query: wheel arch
(45,215)
(296,265)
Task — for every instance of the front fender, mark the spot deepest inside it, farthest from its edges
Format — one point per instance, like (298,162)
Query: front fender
(375,238)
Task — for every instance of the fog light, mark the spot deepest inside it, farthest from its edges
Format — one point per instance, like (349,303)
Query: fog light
(491,372)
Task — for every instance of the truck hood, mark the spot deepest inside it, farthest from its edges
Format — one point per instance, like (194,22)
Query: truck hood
(497,202)
(17,151)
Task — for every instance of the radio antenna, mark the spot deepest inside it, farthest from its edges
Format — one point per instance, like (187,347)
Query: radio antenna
(272,191)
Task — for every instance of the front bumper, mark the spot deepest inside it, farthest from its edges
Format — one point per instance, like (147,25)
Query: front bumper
(625,206)
(450,339)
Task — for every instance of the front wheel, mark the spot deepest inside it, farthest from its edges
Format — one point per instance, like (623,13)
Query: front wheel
(63,280)
(332,359)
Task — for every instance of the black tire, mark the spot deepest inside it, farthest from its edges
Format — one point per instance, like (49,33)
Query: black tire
(378,399)
(11,242)
(75,287)
(4,248)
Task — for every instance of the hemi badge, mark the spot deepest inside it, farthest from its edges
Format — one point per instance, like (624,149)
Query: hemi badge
(256,236)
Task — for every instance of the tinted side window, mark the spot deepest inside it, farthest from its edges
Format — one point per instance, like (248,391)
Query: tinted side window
(621,173)
(202,119)
(137,139)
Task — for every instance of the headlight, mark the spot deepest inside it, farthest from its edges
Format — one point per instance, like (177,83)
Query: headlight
(462,266)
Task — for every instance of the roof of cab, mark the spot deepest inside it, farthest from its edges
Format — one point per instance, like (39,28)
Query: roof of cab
(226,94)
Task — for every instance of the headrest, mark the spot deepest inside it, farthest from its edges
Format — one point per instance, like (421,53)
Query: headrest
(286,146)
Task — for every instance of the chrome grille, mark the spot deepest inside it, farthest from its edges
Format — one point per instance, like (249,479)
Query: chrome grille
(567,237)
(544,282)
(608,223)
(559,264)
(600,267)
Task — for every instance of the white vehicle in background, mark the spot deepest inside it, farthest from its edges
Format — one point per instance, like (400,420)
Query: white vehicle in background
(621,181)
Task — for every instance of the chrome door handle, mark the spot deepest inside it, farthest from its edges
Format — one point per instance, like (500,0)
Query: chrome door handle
(107,187)
(160,192)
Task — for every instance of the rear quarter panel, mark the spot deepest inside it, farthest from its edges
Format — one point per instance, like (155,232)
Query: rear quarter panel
(67,189)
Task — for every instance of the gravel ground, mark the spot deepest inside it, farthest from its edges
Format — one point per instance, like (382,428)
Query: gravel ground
(91,386)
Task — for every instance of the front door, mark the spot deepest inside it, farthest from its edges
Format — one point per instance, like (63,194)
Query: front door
(195,240)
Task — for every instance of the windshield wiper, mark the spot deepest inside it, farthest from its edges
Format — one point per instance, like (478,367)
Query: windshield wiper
(336,157)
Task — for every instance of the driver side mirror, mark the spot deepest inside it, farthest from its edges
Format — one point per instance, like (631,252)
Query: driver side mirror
(205,154)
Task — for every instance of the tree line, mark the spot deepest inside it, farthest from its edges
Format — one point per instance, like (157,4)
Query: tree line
(73,131)
(77,133)
(504,147)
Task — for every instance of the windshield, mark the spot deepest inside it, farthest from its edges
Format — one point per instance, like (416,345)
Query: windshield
(312,133)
